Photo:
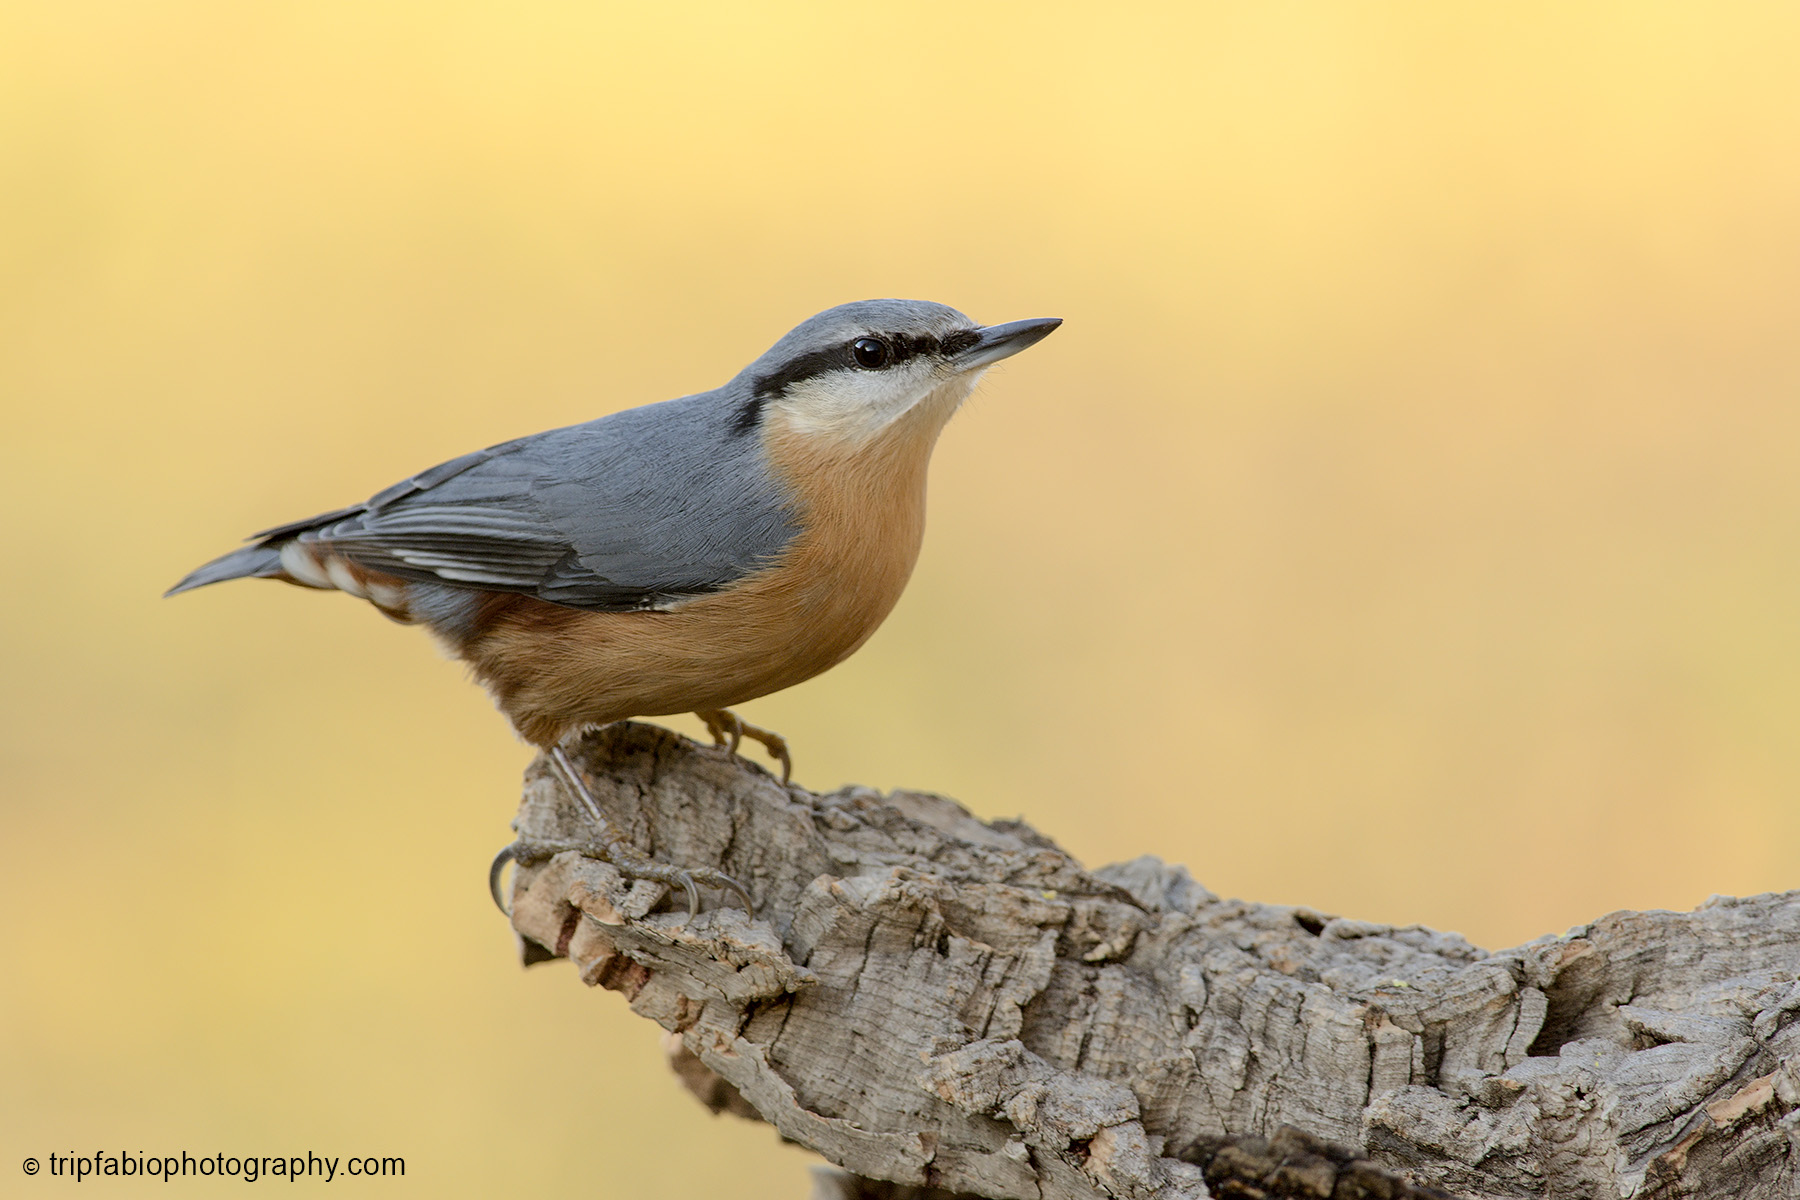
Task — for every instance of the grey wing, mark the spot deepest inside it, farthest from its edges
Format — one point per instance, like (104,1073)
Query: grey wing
(633,511)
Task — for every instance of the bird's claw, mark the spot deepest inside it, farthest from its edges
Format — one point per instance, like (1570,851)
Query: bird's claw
(690,880)
(506,855)
(729,730)
(707,877)
(626,863)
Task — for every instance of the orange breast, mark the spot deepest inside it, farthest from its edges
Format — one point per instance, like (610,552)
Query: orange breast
(553,669)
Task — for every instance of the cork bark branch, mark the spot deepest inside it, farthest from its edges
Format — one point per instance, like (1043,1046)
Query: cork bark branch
(941,1006)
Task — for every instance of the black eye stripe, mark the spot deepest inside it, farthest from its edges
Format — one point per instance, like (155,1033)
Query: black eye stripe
(958,341)
(906,345)
(817,362)
(901,347)
(750,415)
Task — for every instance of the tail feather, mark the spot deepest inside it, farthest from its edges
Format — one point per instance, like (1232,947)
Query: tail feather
(250,562)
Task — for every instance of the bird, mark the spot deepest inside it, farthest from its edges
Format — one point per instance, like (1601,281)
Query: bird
(684,556)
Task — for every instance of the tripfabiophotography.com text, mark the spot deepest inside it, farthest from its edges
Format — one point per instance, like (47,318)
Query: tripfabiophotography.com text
(248,1167)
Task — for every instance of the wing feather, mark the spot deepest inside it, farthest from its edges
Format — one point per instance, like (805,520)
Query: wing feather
(632,511)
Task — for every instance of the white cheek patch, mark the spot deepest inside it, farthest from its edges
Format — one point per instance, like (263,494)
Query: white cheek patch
(854,406)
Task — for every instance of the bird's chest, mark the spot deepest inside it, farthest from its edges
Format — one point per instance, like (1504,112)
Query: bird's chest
(861,519)
(863,524)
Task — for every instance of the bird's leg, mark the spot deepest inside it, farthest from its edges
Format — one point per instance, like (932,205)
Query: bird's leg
(609,847)
(727,727)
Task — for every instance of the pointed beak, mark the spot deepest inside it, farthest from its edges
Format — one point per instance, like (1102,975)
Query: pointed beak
(1004,341)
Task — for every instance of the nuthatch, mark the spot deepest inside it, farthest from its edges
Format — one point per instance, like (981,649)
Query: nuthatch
(680,557)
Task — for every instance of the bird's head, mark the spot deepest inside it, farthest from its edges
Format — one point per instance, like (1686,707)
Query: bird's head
(852,371)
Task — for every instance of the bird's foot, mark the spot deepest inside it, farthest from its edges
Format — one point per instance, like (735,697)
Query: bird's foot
(729,730)
(628,862)
(609,847)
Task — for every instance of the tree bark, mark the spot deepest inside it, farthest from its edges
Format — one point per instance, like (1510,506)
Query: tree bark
(958,1008)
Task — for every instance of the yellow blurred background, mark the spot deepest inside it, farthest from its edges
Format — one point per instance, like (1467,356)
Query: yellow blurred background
(1406,521)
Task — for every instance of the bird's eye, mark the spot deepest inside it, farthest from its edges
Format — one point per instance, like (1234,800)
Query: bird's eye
(871,354)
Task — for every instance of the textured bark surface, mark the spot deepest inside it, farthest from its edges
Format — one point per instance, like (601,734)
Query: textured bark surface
(945,1004)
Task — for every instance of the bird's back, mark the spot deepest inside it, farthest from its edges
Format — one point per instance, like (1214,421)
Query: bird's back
(632,511)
